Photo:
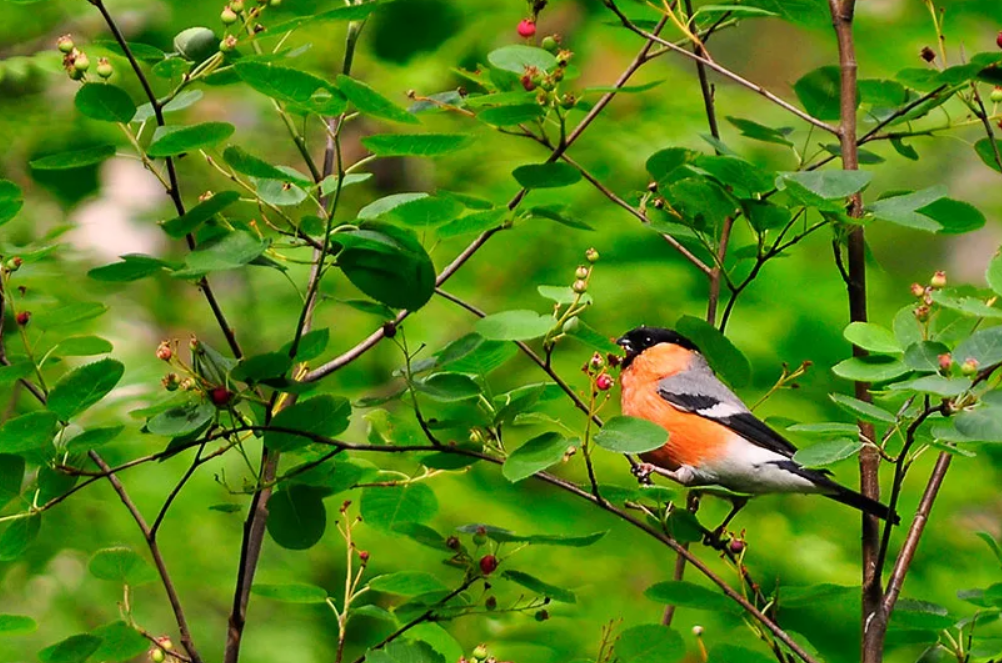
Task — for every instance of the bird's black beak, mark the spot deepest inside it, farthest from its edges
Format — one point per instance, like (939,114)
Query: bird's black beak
(624,343)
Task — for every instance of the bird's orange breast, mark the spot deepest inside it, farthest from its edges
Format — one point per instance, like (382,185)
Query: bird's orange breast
(692,439)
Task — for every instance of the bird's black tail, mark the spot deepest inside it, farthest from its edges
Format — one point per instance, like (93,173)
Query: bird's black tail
(862,502)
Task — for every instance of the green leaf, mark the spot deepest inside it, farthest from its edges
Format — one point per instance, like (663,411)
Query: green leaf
(134,266)
(448,387)
(484,357)
(297,517)
(984,346)
(17,625)
(119,642)
(384,508)
(502,535)
(745,179)
(870,369)
(649,643)
(558,213)
(701,202)
(982,424)
(262,367)
(81,388)
(142,52)
(74,649)
(630,435)
(968,306)
(924,356)
(538,586)
(724,358)
(199,214)
(329,184)
(407,583)
(903,209)
(909,613)
(872,337)
(826,453)
(105,102)
(546,175)
(182,420)
(994,274)
(954,216)
(303,92)
(18,536)
(405,652)
(562,294)
(16,371)
(688,595)
(381,206)
(517,57)
(347,13)
(819,92)
(11,200)
(424,211)
(292,593)
(324,415)
(734,654)
(664,164)
(370,102)
(183,100)
(423,534)
(230,250)
(939,385)
(172,140)
(816,595)
(984,149)
(93,438)
(69,314)
(994,545)
(75,159)
(534,456)
(246,163)
(414,145)
(28,432)
(121,565)
(760,132)
(819,187)
(388,264)
(507,116)
(311,345)
(862,409)
(11,477)
(477,222)
(514,326)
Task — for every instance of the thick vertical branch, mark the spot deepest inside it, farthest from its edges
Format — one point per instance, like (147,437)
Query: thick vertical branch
(874,618)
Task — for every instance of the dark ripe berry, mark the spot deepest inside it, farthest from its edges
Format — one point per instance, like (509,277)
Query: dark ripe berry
(736,546)
(526,28)
(604,382)
(927,54)
(488,563)
(23,317)
(542,616)
(220,396)
(452,543)
(491,603)
(527,83)
(363,555)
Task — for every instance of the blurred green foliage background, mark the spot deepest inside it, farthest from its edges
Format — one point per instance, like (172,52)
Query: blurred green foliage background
(796,311)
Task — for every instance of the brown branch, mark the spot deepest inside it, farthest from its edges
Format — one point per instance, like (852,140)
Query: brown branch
(375,337)
(907,554)
(158,560)
(723,71)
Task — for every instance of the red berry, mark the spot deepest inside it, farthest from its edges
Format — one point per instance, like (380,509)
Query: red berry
(23,317)
(488,563)
(220,396)
(945,361)
(604,382)
(164,352)
(998,40)
(527,28)
(737,546)
(528,83)
(363,555)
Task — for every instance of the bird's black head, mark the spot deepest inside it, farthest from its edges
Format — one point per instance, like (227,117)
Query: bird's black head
(637,340)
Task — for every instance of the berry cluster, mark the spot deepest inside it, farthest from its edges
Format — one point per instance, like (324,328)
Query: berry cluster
(77,64)
(212,384)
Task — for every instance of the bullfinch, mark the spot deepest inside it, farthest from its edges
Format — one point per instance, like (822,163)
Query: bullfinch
(713,439)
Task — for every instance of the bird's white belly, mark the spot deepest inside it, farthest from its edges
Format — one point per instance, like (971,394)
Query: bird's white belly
(749,468)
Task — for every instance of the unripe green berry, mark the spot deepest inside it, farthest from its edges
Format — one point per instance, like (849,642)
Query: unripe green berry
(582,272)
(81,63)
(104,68)
(65,44)
(591,255)
(996,95)
(228,44)
(275,3)
(568,101)
(571,326)
(14,264)
(228,16)
(480,652)
(580,286)
(550,44)
(157,655)
(237,6)
(969,367)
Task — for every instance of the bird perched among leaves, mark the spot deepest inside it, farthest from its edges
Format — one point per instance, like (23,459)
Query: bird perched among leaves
(713,439)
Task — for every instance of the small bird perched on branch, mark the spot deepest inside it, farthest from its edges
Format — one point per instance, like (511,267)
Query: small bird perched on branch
(713,439)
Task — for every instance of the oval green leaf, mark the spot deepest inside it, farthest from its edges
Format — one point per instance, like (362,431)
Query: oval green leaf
(630,435)
(172,140)
(81,388)
(297,517)
(105,102)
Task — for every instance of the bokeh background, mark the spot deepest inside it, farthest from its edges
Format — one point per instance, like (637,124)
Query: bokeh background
(796,311)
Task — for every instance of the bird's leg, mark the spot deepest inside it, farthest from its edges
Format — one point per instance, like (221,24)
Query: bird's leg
(683,475)
(715,538)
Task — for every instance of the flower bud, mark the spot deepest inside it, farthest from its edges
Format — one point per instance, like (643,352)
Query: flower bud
(945,361)
(969,367)
(104,68)
(171,382)
(917,290)
(65,44)
(591,255)
(921,313)
(580,286)
(938,279)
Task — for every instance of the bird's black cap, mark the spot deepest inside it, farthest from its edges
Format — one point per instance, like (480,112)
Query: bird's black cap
(637,340)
